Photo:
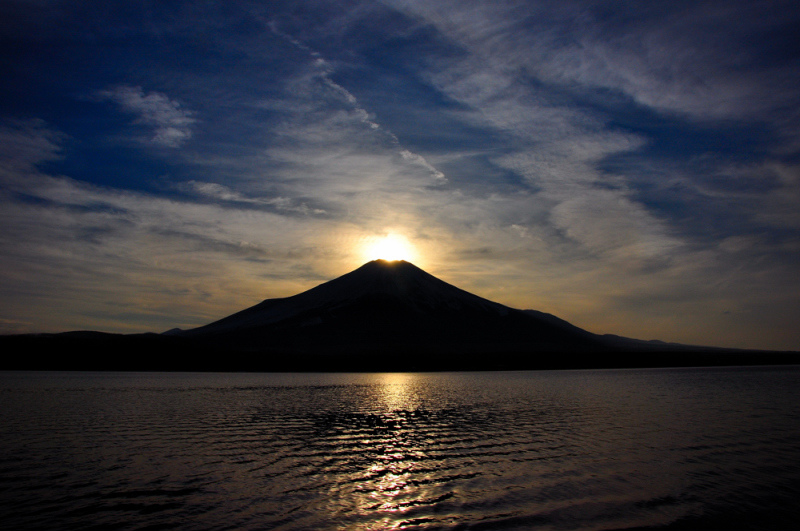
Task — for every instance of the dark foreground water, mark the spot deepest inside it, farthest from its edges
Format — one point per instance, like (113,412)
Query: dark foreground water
(613,449)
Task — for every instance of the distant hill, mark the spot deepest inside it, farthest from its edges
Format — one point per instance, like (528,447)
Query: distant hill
(382,316)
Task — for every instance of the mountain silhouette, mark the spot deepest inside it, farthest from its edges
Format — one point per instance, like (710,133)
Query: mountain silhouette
(384,316)
(392,307)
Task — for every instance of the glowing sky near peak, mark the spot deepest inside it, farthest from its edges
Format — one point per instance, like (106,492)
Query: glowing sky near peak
(631,167)
(390,247)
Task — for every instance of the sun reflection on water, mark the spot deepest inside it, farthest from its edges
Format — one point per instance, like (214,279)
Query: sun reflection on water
(396,392)
(551,450)
(394,486)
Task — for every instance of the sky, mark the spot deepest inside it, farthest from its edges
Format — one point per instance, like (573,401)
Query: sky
(631,167)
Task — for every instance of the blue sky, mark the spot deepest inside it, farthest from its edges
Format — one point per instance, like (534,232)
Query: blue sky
(631,168)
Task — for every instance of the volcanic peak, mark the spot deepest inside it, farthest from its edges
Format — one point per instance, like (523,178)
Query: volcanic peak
(398,280)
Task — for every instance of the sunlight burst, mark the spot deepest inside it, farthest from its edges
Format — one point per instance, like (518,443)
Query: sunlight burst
(390,247)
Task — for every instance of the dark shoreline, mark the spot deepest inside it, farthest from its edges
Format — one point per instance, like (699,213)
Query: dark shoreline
(96,351)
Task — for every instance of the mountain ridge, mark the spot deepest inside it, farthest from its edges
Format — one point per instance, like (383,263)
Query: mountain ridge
(398,278)
(391,305)
(383,316)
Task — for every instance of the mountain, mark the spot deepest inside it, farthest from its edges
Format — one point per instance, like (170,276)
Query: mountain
(392,307)
(384,316)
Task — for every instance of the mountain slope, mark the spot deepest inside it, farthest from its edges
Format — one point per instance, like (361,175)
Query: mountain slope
(392,306)
(384,316)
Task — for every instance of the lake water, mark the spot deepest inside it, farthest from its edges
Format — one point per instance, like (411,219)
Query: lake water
(602,449)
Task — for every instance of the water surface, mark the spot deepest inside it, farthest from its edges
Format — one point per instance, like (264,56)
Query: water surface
(602,449)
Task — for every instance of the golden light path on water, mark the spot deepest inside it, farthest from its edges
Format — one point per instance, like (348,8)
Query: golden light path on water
(698,448)
(392,481)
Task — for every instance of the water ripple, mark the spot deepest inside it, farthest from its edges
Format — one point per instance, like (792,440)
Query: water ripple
(574,450)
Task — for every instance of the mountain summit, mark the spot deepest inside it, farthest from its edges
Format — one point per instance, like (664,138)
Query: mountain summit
(384,316)
(391,306)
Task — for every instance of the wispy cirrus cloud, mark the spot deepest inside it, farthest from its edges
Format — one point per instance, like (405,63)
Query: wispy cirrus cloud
(172,124)
(322,70)
(699,59)
(224,193)
(26,143)
(75,255)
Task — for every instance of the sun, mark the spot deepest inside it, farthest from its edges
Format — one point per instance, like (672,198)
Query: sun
(390,247)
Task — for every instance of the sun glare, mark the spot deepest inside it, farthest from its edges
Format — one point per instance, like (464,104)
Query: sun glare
(390,247)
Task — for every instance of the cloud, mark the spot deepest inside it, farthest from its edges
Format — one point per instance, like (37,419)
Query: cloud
(323,70)
(418,159)
(172,125)
(12,326)
(558,151)
(27,143)
(702,60)
(74,255)
(223,193)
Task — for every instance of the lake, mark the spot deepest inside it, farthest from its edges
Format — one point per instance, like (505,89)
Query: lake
(696,448)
